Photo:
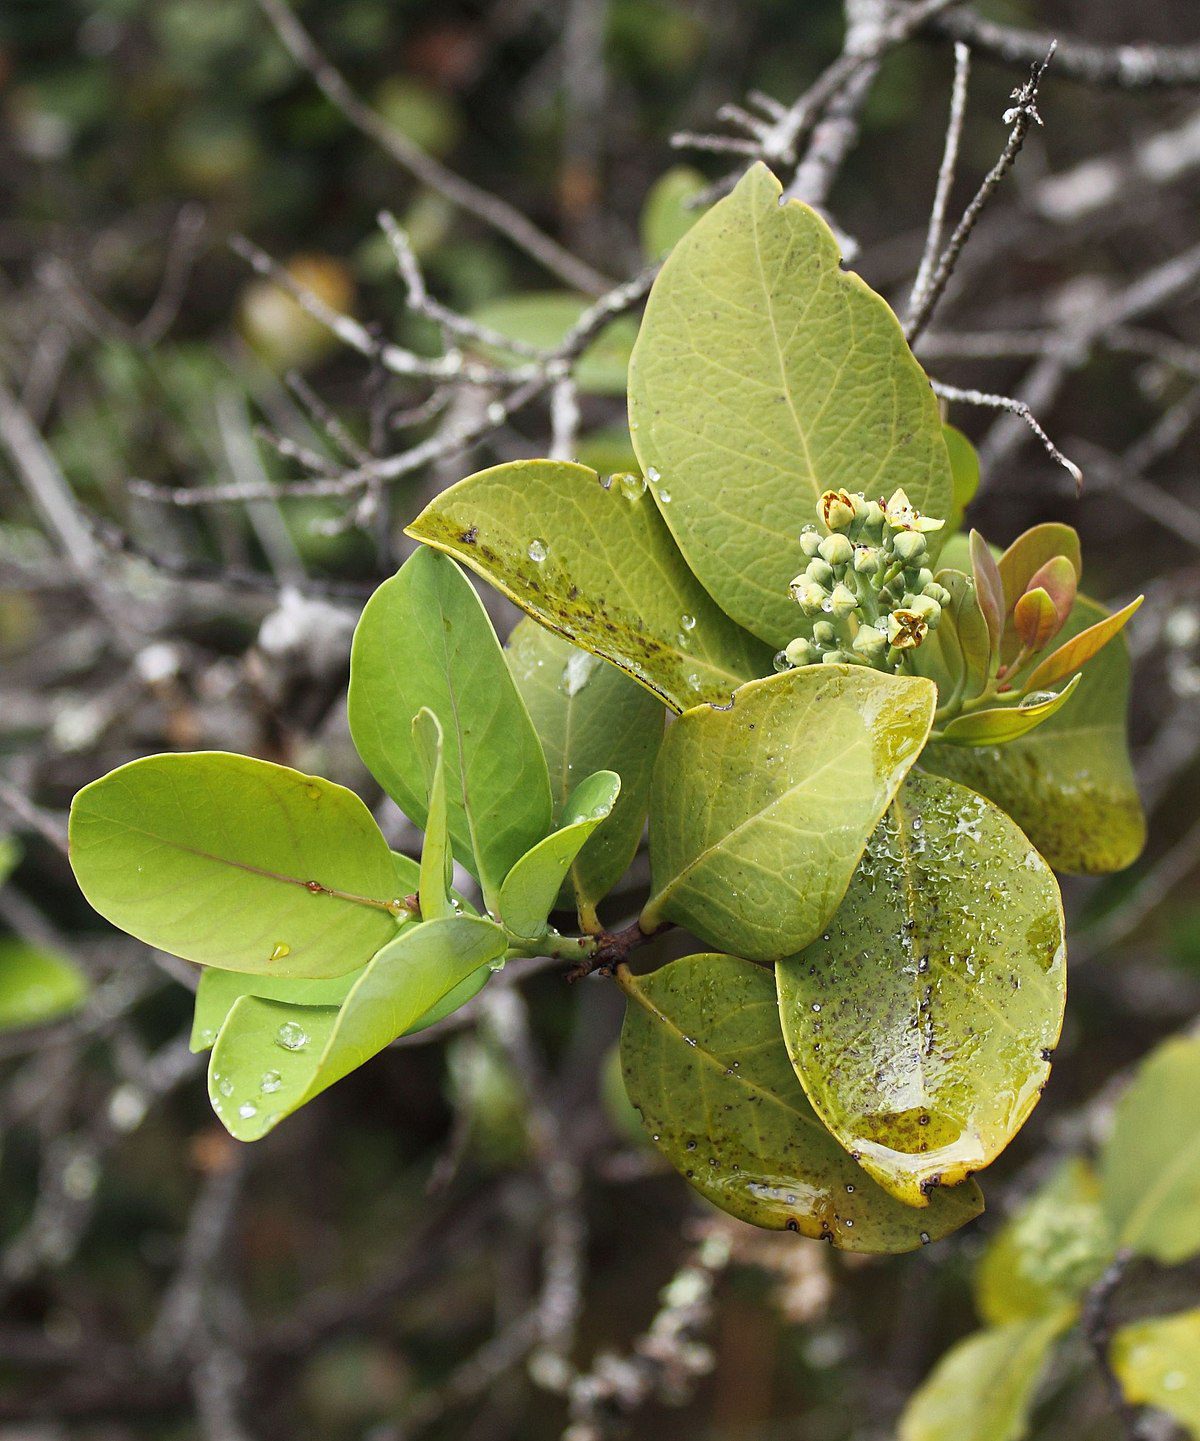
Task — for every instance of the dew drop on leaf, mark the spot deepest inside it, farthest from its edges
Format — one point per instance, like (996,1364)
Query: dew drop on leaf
(247,1109)
(271,1081)
(281,949)
(291,1036)
(537,551)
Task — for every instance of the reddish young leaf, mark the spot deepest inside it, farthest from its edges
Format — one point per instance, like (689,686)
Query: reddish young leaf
(1036,620)
(1080,649)
(1058,579)
(989,588)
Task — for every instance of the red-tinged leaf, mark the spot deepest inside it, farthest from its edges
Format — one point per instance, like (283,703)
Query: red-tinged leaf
(989,588)
(1023,560)
(1036,620)
(1058,579)
(1080,649)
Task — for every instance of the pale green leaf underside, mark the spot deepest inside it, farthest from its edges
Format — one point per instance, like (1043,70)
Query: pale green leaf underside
(705,1065)
(271,1058)
(983,1389)
(236,863)
(531,888)
(759,813)
(1150,1166)
(36,986)
(589,717)
(1069,784)
(424,639)
(1158,1364)
(763,375)
(610,577)
(921,1021)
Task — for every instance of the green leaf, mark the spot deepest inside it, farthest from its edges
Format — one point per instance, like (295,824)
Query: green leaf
(705,1065)
(964,474)
(984,1388)
(1150,1166)
(1049,1253)
(1076,652)
(759,813)
(437,863)
(36,986)
(921,1021)
(531,888)
(763,375)
(543,318)
(667,215)
(10,856)
(219,991)
(1001,724)
(598,566)
(1158,1364)
(424,639)
(1069,785)
(989,588)
(589,717)
(957,656)
(271,1058)
(236,863)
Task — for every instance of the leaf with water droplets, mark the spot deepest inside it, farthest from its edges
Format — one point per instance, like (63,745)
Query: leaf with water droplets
(425,639)
(531,888)
(1150,1165)
(36,985)
(236,863)
(613,580)
(1069,784)
(763,375)
(759,813)
(1049,1252)
(589,717)
(921,1021)
(998,725)
(311,1047)
(705,1065)
(984,1388)
(1157,1362)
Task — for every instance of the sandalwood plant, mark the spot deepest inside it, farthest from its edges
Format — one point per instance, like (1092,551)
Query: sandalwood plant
(860,743)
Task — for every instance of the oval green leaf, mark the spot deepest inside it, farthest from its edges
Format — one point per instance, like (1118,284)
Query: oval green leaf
(921,1021)
(759,812)
(763,375)
(1001,724)
(705,1065)
(1150,1166)
(424,639)
(589,717)
(957,656)
(36,985)
(271,1058)
(669,212)
(1158,1364)
(597,565)
(964,474)
(236,863)
(531,888)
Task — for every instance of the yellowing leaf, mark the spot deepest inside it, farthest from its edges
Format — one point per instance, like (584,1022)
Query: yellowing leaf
(705,1065)
(764,374)
(759,812)
(1001,724)
(1158,1364)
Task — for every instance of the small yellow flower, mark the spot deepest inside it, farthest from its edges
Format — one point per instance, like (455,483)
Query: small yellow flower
(836,508)
(901,514)
(906,629)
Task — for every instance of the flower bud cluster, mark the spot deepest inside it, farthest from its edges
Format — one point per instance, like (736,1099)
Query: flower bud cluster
(867,590)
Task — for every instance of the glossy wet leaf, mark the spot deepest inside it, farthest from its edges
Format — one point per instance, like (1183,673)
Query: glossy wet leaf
(437,863)
(1069,784)
(236,863)
(763,375)
(998,725)
(1076,652)
(1049,1252)
(705,1065)
(531,888)
(668,214)
(1158,1364)
(921,1020)
(271,1057)
(984,1388)
(36,985)
(964,474)
(1150,1165)
(759,813)
(599,567)
(543,318)
(589,717)
(424,639)
(218,991)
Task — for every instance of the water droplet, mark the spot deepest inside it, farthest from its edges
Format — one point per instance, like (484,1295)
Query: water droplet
(652,473)
(281,949)
(688,622)
(633,487)
(664,496)
(537,551)
(291,1036)
(817,1007)
(247,1109)
(780,661)
(694,681)
(225,1086)
(578,671)
(271,1081)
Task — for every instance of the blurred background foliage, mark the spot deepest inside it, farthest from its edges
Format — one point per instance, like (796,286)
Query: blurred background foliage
(125,123)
